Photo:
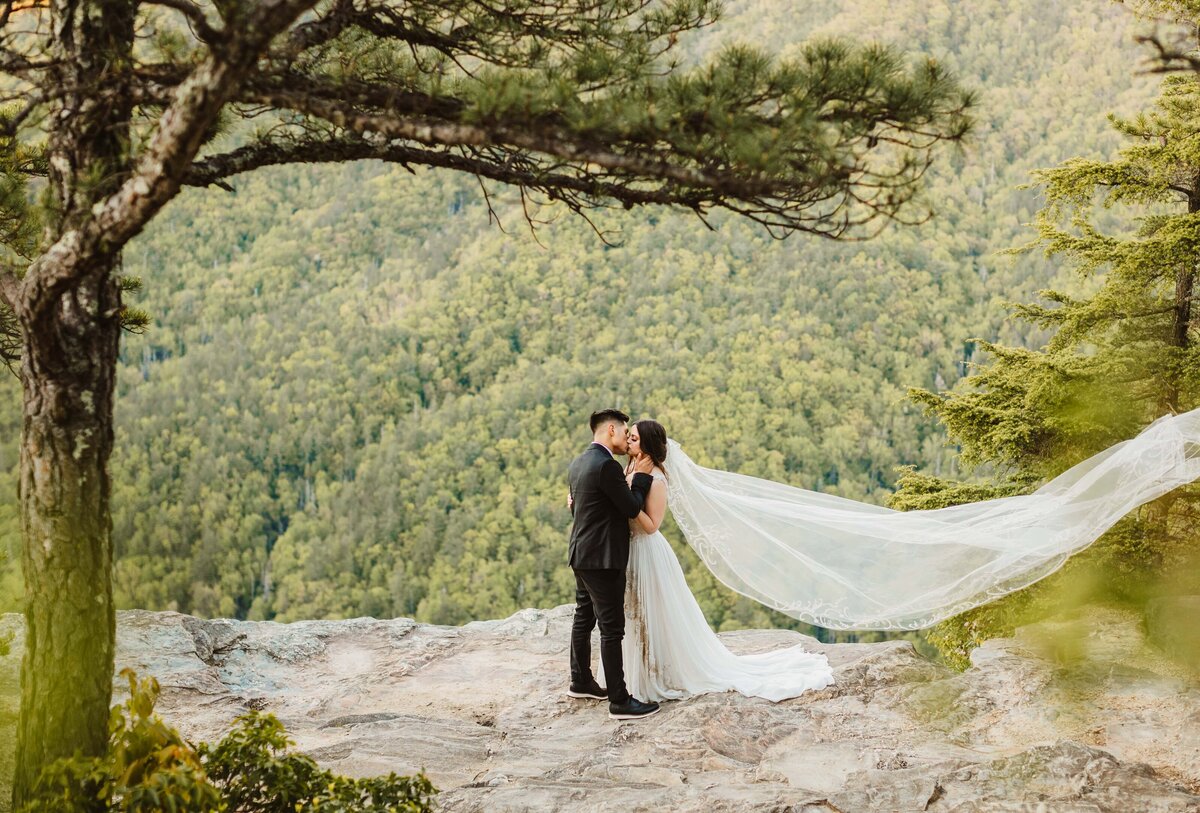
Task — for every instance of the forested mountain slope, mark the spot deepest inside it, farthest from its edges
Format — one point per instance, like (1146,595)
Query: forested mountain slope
(359,395)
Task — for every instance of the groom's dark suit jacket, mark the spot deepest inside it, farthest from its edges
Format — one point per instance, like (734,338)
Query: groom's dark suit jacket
(603,506)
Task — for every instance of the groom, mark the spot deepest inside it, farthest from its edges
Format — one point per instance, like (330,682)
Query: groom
(602,505)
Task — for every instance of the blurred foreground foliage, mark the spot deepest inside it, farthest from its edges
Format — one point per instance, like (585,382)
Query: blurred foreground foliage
(150,768)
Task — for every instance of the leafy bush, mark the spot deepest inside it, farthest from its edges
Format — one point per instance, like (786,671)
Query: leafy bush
(255,774)
(149,768)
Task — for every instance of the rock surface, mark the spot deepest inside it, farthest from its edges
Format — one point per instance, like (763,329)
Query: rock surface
(1070,716)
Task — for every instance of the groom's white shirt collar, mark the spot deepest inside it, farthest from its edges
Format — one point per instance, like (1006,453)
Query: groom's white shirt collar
(605,448)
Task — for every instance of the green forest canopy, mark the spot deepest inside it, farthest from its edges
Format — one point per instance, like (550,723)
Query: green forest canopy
(359,396)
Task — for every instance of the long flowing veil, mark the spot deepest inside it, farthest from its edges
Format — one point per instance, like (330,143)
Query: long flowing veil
(843,564)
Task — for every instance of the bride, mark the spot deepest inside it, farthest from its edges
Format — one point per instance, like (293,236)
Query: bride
(669,650)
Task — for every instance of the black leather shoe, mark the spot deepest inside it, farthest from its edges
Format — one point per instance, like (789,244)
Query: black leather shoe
(588,691)
(631,709)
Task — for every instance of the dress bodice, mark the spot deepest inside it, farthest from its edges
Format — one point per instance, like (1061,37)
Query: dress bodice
(657,474)
(635,527)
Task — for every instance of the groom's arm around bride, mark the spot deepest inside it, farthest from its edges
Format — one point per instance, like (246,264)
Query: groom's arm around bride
(602,505)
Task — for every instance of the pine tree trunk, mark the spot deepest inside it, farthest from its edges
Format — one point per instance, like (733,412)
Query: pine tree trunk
(70,334)
(1157,513)
(1185,282)
(68,371)
(1181,321)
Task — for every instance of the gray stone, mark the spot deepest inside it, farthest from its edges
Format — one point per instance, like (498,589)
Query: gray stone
(1077,714)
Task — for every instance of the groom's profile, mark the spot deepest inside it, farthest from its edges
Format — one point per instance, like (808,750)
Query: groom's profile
(602,503)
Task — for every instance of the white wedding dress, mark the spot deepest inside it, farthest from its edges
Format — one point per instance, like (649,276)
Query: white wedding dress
(670,652)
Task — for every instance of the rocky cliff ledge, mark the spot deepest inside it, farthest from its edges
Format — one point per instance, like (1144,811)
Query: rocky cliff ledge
(1073,716)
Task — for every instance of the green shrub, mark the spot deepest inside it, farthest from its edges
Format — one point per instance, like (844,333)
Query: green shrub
(255,774)
(149,767)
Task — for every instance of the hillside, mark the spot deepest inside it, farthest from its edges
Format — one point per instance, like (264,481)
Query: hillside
(359,395)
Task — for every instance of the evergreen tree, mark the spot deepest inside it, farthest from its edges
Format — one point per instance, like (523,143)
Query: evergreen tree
(1122,351)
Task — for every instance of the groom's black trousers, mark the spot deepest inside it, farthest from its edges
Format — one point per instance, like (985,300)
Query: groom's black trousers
(599,597)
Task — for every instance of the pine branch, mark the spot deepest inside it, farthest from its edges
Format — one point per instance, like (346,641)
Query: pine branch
(198,22)
(630,181)
(545,140)
(793,147)
(313,33)
(160,169)
(514,35)
(1170,57)
(18,64)
(578,191)
(788,202)
(429,120)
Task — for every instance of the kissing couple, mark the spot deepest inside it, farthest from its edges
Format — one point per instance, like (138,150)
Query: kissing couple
(818,557)
(629,582)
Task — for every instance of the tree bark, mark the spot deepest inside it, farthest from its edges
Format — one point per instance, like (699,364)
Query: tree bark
(70,334)
(68,305)
(67,371)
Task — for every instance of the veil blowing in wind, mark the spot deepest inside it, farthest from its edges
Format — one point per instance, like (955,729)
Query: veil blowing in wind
(843,564)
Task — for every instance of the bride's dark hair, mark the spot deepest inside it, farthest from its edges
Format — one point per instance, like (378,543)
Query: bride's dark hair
(653,440)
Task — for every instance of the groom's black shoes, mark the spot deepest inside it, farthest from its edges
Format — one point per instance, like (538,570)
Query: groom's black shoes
(588,691)
(631,709)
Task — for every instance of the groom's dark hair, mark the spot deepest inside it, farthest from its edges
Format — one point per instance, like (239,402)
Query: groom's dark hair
(605,415)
